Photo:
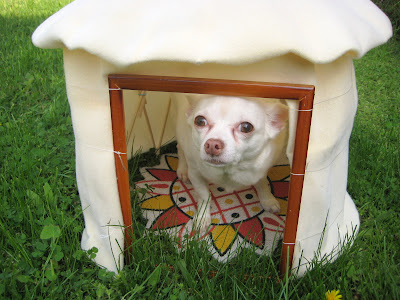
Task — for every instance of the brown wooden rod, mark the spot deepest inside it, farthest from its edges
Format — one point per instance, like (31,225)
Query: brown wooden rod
(296,181)
(121,162)
(211,86)
(304,93)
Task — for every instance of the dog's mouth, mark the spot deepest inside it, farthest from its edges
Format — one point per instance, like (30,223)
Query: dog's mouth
(214,162)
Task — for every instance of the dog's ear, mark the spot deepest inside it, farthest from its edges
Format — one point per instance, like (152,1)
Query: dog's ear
(192,100)
(277,116)
(184,102)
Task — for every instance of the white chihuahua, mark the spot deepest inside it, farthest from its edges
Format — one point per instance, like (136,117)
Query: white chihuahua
(231,142)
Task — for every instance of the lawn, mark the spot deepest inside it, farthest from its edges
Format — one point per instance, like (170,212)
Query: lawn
(41,219)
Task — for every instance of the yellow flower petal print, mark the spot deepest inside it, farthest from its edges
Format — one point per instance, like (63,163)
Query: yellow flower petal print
(161,202)
(283,205)
(172,162)
(279,172)
(223,236)
(333,295)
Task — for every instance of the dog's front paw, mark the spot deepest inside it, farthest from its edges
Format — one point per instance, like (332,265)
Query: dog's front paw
(271,204)
(182,169)
(202,220)
(203,224)
(182,173)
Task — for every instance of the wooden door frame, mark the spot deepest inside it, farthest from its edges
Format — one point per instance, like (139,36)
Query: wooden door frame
(303,93)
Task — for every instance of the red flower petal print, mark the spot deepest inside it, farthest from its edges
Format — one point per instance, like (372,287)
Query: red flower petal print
(276,225)
(162,175)
(252,231)
(281,189)
(171,218)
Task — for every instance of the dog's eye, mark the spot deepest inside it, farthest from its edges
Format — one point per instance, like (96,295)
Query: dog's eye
(246,127)
(200,121)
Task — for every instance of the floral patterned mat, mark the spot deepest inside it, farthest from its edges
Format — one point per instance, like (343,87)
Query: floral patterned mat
(238,219)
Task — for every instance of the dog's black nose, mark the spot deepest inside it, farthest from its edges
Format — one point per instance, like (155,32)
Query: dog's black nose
(214,146)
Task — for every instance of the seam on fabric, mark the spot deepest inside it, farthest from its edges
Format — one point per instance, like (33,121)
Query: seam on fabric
(351,86)
(338,96)
(332,161)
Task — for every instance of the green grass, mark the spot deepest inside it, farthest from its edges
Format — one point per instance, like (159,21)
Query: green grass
(41,219)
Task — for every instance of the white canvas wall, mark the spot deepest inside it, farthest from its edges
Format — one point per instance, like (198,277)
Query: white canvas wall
(324,196)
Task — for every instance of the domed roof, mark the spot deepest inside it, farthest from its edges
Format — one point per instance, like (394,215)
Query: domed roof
(126,32)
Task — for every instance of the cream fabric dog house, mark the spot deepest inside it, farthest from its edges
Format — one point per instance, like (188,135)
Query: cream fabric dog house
(305,42)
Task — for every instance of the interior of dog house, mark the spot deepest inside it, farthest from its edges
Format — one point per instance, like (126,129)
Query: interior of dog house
(124,61)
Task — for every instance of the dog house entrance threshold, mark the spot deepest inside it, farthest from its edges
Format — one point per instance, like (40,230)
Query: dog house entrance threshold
(304,94)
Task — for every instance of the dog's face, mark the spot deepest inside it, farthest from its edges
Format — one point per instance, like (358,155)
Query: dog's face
(227,130)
